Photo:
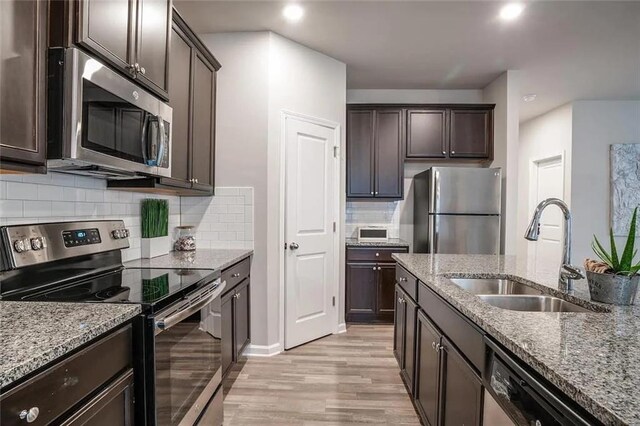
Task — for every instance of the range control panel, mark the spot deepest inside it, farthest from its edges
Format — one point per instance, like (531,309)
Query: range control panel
(81,237)
(25,245)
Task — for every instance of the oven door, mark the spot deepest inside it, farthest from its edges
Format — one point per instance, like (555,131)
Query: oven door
(188,364)
(110,121)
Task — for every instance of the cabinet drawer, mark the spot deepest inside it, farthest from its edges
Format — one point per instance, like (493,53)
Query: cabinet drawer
(373,254)
(408,282)
(465,335)
(236,273)
(68,382)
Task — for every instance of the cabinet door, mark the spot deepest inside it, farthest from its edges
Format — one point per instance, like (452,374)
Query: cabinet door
(426,133)
(461,389)
(203,130)
(241,321)
(108,29)
(471,133)
(361,291)
(22,83)
(179,95)
(411,311)
(112,406)
(389,161)
(360,153)
(398,327)
(386,291)
(427,370)
(227,319)
(152,42)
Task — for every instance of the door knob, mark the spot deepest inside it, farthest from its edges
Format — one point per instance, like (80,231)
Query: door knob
(294,246)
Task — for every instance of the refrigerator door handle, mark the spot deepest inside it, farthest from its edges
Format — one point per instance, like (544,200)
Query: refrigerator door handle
(433,233)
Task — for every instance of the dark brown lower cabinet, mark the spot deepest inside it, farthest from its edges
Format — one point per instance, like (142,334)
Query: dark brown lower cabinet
(427,378)
(235,313)
(461,389)
(404,336)
(101,378)
(370,281)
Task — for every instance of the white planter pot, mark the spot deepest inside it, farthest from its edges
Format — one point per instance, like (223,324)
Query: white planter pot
(154,247)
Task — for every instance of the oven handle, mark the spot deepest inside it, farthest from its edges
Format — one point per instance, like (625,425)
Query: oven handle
(173,319)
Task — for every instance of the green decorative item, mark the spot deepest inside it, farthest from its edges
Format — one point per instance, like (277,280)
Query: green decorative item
(155,227)
(155,288)
(615,278)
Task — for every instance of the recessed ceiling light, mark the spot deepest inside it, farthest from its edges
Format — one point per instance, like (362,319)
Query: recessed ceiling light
(293,12)
(511,11)
(529,98)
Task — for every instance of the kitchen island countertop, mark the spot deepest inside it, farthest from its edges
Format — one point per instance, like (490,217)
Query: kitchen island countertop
(33,334)
(594,358)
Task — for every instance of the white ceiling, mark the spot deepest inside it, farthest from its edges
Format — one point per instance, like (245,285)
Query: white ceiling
(567,50)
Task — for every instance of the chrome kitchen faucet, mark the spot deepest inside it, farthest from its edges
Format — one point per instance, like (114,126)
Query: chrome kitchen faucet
(568,272)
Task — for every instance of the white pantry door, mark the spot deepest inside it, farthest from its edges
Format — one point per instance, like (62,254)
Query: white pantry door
(310,185)
(549,183)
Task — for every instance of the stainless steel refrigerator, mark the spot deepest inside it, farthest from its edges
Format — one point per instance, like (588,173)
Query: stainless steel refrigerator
(457,210)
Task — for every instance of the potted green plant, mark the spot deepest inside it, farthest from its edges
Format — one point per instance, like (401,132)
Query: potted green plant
(614,279)
(155,228)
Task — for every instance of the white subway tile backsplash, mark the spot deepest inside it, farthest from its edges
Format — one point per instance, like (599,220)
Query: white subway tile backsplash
(50,192)
(21,191)
(11,209)
(37,209)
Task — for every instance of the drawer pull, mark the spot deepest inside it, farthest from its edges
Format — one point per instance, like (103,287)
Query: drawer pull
(377,254)
(236,275)
(403,279)
(30,415)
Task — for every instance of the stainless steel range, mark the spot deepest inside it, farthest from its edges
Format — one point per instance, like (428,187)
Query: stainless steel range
(177,337)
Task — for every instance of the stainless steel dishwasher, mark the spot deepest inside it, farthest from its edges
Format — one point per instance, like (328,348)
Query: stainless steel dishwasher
(514,395)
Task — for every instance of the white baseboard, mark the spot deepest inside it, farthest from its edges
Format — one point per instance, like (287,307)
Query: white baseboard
(342,328)
(262,350)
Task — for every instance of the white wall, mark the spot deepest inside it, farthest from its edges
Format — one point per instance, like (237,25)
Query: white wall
(306,82)
(263,74)
(241,144)
(543,137)
(596,125)
(505,93)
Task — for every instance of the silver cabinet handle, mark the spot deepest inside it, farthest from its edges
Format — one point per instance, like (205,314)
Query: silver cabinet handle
(294,246)
(453,153)
(237,296)
(439,347)
(399,299)
(236,275)
(371,192)
(379,268)
(377,254)
(374,268)
(30,415)
(403,279)
(444,152)
(433,345)
(142,70)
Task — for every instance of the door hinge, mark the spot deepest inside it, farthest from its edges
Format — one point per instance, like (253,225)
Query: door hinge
(335,226)
(335,151)
(334,301)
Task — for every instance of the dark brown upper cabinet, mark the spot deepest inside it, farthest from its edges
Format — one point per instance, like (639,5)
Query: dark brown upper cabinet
(192,94)
(22,88)
(471,133)
(450,132)
(375,140)
(131,35)
(427,133)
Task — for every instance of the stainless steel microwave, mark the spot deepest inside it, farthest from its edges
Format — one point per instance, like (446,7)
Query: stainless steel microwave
(102,124)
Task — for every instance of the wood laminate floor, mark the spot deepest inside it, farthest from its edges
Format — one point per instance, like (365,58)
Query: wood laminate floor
(344,379)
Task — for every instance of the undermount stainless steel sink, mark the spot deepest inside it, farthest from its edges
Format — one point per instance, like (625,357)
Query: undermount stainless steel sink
(494,286)
(530,303)
(512,295)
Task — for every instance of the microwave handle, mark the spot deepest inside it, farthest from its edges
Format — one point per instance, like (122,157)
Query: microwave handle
(144,143)
(162,141)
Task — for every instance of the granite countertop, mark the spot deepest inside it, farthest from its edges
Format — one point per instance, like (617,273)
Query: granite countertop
(214,259)
(593,357)
(393,242)
(33,334)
